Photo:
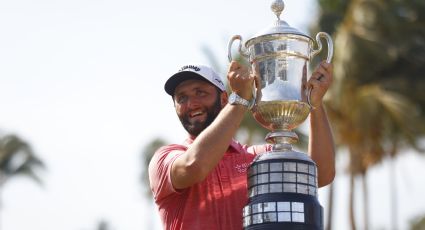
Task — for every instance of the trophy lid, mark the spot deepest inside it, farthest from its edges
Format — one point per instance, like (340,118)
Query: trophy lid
(280,26)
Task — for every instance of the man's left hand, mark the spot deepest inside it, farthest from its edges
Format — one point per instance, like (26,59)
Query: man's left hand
(319,83)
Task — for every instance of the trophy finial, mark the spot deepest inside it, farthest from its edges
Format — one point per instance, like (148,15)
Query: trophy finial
(277,8)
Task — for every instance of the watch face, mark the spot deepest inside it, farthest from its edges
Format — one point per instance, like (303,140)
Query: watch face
(232,98)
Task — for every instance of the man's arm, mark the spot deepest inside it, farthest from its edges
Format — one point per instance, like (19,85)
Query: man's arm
(321,145)
(209,147)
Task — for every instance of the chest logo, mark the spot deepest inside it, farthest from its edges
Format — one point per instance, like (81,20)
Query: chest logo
(241,168)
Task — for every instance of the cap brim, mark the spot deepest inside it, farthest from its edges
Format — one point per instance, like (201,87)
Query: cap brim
(176,79)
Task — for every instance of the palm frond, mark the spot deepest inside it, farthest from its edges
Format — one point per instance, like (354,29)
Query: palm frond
(18,159)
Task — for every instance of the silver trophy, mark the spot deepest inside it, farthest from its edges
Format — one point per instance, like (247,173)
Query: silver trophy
(282,183)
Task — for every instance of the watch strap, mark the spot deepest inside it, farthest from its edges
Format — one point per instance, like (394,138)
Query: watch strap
(235,99)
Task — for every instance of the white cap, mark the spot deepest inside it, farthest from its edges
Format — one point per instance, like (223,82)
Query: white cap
(195,71)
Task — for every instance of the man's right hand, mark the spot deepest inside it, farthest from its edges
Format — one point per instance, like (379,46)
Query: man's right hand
(240,80)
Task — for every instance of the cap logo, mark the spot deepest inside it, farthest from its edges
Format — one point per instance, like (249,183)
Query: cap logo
(192,67)
(219,81)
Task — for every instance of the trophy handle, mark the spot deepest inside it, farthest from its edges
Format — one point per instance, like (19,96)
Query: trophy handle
(229,48)
(314,52)
(328,38)
(257,86)
(256,93)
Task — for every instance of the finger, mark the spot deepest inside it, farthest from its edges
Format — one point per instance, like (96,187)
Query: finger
(251,78)
(314,84)
(315,75)
(328,66)
(234,65)
(231,75)
(257,80)
(329,70)
(243,74)
(244,69)
(323,74)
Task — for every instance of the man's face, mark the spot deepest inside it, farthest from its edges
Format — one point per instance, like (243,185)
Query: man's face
(197,104)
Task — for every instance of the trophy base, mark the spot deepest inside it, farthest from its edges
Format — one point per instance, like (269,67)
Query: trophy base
(285,211)
(280,226)
(282,190)
(284,155)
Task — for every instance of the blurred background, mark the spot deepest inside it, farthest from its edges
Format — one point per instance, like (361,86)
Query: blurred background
(82,106)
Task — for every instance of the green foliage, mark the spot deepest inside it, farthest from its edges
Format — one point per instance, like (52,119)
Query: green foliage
(103,225)
(376,103)
(331,14)
(383,42)
(377,98)
(147,154)
(18,159)
(418,223)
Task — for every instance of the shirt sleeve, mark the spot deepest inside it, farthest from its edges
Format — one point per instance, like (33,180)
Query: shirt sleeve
(160,170)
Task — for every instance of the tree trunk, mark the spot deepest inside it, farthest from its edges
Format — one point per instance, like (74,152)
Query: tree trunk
(330,206)
(393,192)
(351,199)
(365,202)
(1,206)
(2,181)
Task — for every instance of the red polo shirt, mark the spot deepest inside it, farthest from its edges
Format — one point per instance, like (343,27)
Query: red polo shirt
(215,203)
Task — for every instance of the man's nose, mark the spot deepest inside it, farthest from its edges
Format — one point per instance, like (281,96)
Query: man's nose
(193,102)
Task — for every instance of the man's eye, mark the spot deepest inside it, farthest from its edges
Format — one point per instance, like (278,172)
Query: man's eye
(181,99)
(201,93)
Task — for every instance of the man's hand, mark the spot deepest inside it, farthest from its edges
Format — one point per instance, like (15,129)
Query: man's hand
(319,83)
(240,80)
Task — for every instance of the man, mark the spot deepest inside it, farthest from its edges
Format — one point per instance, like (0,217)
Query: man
(201,184)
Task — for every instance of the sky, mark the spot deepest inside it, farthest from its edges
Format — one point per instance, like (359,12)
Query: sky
(82,82)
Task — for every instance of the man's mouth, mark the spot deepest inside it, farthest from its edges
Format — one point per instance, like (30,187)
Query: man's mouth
(195,114)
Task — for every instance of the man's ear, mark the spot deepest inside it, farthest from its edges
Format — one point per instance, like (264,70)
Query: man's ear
(174,102)
(224,98)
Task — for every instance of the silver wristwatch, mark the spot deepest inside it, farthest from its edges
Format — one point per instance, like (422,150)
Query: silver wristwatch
(235,99)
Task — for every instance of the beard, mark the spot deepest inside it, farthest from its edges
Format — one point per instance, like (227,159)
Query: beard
(194,128)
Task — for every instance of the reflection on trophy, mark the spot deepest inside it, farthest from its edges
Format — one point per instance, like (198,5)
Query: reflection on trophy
(282,183)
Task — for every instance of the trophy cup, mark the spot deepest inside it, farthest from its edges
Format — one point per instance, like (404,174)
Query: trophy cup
(282,183)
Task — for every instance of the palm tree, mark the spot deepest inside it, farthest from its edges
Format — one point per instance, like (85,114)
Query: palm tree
(377,98)
(17,159)
(147,154)
(103,225)
(373,126)
(418,223)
